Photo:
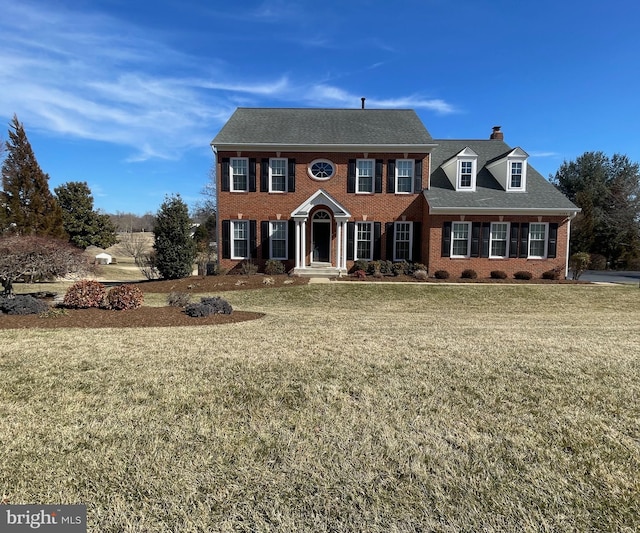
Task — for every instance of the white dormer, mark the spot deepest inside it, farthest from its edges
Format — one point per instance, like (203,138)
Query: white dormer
(511,170)
(462,170)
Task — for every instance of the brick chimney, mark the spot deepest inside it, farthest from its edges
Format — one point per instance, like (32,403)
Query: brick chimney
(496,134)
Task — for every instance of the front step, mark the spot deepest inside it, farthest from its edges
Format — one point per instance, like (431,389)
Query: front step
(314,271)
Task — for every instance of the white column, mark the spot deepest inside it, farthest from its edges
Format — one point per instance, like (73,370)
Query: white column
(297,244)
(344,245)
(338,243)
(303,244)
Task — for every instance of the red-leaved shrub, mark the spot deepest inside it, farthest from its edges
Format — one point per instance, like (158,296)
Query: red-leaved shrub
(84,294)
(125,297)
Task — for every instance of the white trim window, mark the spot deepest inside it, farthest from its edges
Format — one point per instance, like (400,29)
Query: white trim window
(278,234)
(402,241)
(538,240)
(516,175)
(239,239)
(239,170)
(363,241)
(404,176)
(498,240)
(465,174)
(460,239)
(364,175)
(321,169)
(278,174)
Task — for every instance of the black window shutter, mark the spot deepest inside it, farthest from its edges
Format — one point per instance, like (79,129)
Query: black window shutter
(391,175)
(417,243)
(264,234)
(513,242)
(388,228)
(224,167)
(552,248)
(486,229)
(475,239)
(524,240)
(253,248)
(351,235)
(446,240)
(226,239)
(377,241)
(378,184)
(264,175)
(351,176)
(292,239)
(252,175)
(417,177)
(291,176)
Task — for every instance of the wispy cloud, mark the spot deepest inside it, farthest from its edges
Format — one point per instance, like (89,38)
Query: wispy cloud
(91,76)
(544,154)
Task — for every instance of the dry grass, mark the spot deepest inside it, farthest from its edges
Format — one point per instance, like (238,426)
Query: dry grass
(349,407)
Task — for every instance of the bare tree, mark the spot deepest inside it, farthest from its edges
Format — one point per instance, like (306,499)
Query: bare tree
(137,246)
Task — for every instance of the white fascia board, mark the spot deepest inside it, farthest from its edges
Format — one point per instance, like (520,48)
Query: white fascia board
(324,148)
(504,211)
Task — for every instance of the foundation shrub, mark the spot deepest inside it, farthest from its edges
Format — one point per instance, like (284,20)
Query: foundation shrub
(248,268)
(360,274)
(523,274)
(469,273)
(124,297)
(274,266)
(498,274)
(22,304)
(578,263)
(401,268)
(361,264)
(441,274)
(553,274)
(420,274)
(178,299)
(84,294)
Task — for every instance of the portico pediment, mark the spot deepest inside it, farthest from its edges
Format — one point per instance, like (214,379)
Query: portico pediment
(320,198)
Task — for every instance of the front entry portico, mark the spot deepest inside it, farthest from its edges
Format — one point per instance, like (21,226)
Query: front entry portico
(314,245)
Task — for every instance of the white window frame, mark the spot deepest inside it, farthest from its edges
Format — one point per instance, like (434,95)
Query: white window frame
(272,225)
(545,240)
(492,240)
(472,182)
(396,240)
(232,174)
(411,165)
(234,224)
(325,162)
(356,240)
(523,175)
(453,239)
(372,176)
(285,175)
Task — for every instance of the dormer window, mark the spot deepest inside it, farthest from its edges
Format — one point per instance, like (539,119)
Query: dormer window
(462,170)
(510,170)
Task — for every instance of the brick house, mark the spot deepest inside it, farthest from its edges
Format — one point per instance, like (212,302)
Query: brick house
(321,188)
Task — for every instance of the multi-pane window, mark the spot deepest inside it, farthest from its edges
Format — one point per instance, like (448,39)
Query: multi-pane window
(466,174)
(278,239)
(460,239)
(240,239)
(278,175)
(516,175)
(537,239)
(364,175)
(364,239)
(499,232)
(404,175)
(402,241)
(239,173)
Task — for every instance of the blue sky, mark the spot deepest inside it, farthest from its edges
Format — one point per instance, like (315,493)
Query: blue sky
(127,94)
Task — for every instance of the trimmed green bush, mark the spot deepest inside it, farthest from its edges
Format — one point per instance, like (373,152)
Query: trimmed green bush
(22,304)
(125,297)
(553,274)
(498,274)
(523,274)
(209,306)
(84,294)
(361,264)
(469,273)
(441,274)
(274,266)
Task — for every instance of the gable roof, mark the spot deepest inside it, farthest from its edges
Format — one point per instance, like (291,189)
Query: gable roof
(323,129)
(489,196)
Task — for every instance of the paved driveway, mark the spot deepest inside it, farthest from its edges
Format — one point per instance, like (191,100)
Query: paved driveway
(611,276)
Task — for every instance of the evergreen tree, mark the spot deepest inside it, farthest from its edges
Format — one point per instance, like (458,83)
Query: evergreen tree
(84,226)
(175,248)
(28,205)
(608,191)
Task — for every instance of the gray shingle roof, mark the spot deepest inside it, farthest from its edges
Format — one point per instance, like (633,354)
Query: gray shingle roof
(272,126)
(489,194)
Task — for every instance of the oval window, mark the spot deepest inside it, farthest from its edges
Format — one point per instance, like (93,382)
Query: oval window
(321,169)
